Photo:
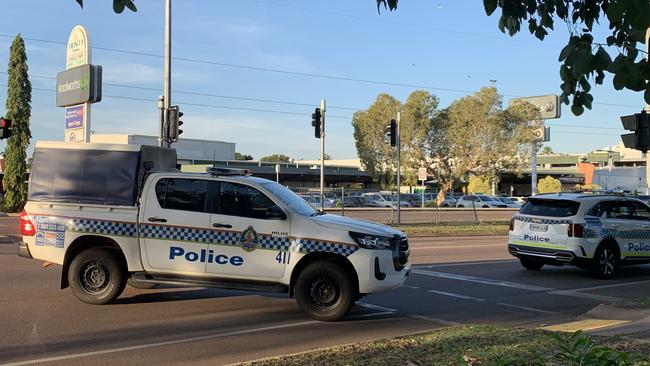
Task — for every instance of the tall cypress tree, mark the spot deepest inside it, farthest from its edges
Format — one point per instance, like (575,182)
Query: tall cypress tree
(19,97)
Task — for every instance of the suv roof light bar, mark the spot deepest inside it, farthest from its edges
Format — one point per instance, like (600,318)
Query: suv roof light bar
(228,171)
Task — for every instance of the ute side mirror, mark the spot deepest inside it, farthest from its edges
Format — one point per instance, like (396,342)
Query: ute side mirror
(275,213)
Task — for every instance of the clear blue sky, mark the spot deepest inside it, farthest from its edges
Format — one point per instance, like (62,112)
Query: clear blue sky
(451,47)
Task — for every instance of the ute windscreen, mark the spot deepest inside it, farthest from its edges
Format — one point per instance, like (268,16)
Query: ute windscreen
(553,208)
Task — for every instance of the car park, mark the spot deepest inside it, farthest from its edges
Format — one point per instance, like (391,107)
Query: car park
(591,231)
(479,201)
(509,203)
(386,200)
(136,218)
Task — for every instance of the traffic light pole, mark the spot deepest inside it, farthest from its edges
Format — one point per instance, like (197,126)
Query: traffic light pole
(167,95)
(533,169)
(399,178)
(322,155)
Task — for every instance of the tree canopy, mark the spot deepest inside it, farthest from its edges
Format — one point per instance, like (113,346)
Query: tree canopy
(585,60)
(277,158)
(239,156)
(549,185)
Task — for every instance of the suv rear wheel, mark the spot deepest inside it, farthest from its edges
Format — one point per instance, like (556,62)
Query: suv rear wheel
(96,276)
(604,263)
(531,264)
(324,290)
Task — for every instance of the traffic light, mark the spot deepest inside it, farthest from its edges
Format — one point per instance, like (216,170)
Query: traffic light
(5,128)
(175,123)
(393,132)
(316,120)
(640,124)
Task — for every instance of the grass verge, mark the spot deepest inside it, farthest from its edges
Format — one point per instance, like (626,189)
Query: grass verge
(483,228)
(462,345)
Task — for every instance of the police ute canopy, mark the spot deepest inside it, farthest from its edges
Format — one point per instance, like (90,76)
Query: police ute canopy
(118,214)
(592,231)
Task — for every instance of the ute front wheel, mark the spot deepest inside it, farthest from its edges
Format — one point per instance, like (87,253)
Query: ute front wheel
(325,291)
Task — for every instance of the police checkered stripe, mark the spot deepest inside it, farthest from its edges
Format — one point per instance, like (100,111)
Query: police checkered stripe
(230,238)
(274,243)
(103,227)
(627,234)
(541,221)
(310,245)
(176,233)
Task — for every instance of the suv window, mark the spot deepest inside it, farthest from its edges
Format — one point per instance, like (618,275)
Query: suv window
(552,208)
(600,210)
(182,194)
(244,201)
(641,211)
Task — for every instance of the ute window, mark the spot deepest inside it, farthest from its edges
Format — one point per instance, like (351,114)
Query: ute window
(243,201)
(552,208)
(182,194)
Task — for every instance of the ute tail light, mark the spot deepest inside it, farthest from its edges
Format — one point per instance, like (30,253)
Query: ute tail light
(576,230)
(26,226)
(512,224)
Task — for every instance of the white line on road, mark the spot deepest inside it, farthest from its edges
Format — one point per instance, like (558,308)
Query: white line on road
(609,286)
(410,287)
(159,344)
(374,307)
(527,308)
(465,297)
(486,281)
(582,295)
(434,320)
(370,315)
(467,263)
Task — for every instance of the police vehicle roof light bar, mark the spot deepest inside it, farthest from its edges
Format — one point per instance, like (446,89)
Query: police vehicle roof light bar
(228,171)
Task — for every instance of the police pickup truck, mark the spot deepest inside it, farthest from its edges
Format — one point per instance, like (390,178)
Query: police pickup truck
(116,213)
(593,231)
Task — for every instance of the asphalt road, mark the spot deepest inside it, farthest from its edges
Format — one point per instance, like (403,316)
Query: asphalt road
(457,280)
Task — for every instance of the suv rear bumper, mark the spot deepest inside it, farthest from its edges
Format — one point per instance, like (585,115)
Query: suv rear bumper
(23,251)
(547,256)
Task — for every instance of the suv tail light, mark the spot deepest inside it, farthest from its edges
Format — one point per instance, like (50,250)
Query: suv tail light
(512,224)
(576,230)
(26,225)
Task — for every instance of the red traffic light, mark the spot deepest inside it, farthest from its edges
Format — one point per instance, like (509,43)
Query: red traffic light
(5,128)
(5,123)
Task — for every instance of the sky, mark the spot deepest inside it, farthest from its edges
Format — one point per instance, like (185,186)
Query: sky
(251,71)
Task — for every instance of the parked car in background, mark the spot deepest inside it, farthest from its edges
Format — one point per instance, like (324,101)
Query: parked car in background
(510,203)
(365,201)
(386,200)
(348,201)
(521,200)
(479,201)
(314,201)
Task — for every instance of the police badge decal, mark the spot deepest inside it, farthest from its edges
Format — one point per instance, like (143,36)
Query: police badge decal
(249,239)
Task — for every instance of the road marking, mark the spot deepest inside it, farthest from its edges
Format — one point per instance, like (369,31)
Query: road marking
(374,307)
(434,320)
(582,295)
(527,308)
(467,263)
(159,344)
(588,324)
(370,315)
(609,286)
(404,286)
(423,247)
(486,281)
(456,295)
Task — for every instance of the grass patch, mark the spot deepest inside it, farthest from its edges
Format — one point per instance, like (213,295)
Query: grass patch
(462,345)
(485,228)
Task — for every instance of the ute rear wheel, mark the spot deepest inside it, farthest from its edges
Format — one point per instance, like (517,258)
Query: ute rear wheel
(605,261)
(325,291)
(96,276)
(531,264)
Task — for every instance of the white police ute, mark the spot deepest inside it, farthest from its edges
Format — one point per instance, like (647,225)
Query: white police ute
(112,214)
(591,231)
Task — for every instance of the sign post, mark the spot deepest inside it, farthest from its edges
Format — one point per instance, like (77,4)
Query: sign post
(422,175)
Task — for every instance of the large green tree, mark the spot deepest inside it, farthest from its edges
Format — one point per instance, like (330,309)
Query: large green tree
(585,60)
(372,141)
(276,158)
(19,97)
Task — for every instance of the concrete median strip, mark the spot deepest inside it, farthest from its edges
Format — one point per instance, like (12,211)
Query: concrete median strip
(584,325)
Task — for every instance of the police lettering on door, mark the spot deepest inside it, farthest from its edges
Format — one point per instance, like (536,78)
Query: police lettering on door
(204,256)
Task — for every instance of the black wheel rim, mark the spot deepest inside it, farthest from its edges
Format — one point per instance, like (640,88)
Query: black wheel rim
(606,262)
(94,277)
(325,292)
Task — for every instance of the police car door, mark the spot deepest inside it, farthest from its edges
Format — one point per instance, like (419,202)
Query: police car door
(175,226)
(252,233)
(620,223)
(640,246)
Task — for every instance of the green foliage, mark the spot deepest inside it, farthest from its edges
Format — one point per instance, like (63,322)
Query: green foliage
(478,184)
(118,5)
(580,350)
(549,185)
(584,61)
(239,156)
(19,97)
(547,150)
(277,158)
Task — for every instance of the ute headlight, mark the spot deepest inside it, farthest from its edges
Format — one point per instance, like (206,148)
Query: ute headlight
(368,241)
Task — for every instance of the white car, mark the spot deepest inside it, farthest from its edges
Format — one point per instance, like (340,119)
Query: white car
(386,200)
(509,202)
(596,232)
(136,219)
(479,201)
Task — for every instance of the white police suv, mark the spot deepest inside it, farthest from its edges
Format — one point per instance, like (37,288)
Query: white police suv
(596,232)
(112,213)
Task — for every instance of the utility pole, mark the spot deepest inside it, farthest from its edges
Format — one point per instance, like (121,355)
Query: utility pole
(533,169)
(167,94)
(399,178)
(161,133)
(322,155)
